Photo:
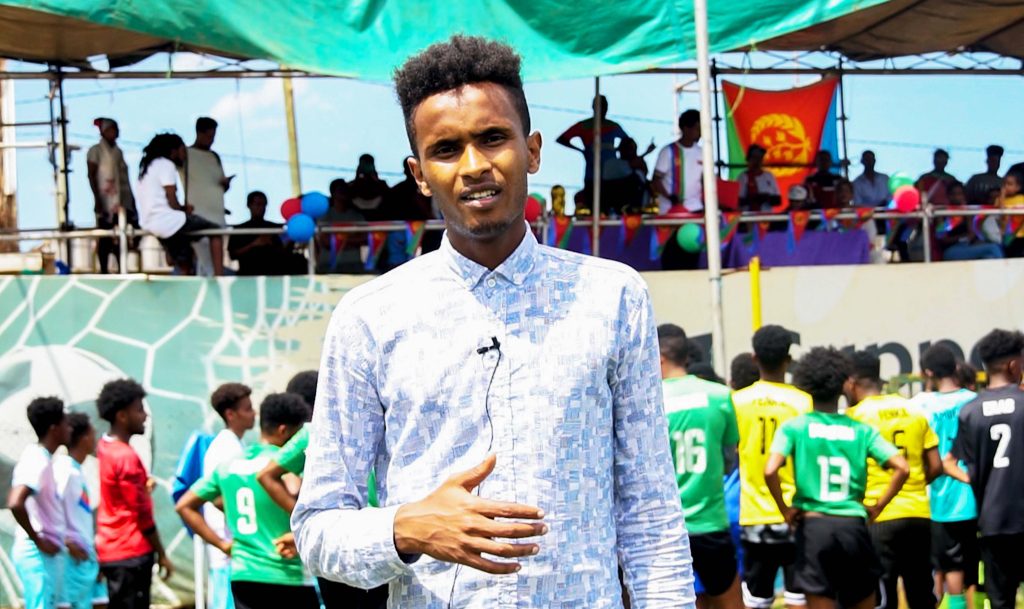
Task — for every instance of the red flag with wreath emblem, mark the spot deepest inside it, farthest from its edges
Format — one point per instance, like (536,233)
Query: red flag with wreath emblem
(631,223)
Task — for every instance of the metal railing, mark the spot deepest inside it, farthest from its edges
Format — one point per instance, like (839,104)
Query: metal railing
(125,232)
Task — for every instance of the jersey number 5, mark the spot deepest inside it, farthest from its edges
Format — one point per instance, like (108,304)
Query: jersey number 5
(245,503)
(691,454)
(1000,433)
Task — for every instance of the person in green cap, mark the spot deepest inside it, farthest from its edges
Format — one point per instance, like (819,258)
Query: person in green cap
(702,429)
(264,572)
(836,560)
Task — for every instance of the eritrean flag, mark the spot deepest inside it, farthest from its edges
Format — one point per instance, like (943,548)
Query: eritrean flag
(792,125)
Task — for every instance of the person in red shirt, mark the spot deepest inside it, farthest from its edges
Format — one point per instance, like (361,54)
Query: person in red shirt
(126,535)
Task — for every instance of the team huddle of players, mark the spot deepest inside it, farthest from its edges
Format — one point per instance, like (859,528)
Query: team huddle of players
(848,502)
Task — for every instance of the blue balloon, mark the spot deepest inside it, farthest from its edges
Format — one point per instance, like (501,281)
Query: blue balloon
(300,228)
(315,204)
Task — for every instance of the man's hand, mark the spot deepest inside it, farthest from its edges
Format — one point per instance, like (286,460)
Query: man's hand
(793,516)
(285,545)
(873,512)
(454,525)
(76,551)
(225,546)
(150,485)
(225,182)
(189,209)
(46,546)
(166,568)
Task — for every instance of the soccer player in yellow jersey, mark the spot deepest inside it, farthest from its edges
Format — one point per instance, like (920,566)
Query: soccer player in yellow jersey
(761,409)
(901,533)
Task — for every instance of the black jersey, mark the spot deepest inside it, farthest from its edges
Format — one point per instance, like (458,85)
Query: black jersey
(990,440)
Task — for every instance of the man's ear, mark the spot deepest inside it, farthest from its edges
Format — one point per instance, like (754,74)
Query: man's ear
(533,144)
(417,174)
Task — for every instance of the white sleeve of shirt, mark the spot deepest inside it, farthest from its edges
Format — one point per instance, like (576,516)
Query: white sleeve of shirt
(664,163)
(29,469)
(167,172)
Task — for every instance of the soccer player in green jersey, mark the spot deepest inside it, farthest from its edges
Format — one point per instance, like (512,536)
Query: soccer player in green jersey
(263,573)
(836,561)
(702,427)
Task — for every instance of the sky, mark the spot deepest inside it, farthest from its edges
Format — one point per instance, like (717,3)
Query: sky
(902,118)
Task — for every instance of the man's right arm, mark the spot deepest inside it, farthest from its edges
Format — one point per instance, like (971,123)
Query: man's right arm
(16,500)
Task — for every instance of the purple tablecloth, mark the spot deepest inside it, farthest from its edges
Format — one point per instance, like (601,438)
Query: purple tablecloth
(816,247)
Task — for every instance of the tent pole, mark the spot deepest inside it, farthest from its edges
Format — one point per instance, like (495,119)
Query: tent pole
(718,119)
(595,206)
(712,237)
(842,122)
(293,135)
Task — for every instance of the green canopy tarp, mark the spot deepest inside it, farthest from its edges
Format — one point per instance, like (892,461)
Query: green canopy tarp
(368,38)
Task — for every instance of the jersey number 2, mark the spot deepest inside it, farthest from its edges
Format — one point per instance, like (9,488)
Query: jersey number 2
(1000,433)
(245,503)
(691,455)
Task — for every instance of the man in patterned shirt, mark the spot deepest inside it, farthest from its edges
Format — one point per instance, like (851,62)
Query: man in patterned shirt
(507,394)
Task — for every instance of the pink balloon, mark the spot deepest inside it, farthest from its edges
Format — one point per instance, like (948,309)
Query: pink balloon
(533,210)
(906,198)
(291,207)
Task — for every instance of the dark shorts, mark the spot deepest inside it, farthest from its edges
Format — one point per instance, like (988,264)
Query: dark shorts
(955,548)
(761,563)
(1004,569)
(179,245)
(337,595)
(128,582)
(714,560)
(903,546)
(256,595)
(836,559)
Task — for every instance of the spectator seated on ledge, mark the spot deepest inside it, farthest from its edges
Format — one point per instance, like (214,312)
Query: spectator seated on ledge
(759,191)
(960,242)
(159,210)
(263,254)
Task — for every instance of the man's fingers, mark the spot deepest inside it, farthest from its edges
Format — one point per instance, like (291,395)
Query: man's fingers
(508,530)
(503,509)
(489,566)
(504,550)
(472,478)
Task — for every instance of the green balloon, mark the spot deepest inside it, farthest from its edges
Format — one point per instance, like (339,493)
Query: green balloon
(689,238)
(899,179)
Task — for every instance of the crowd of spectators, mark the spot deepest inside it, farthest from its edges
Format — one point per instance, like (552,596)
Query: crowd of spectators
(629,185)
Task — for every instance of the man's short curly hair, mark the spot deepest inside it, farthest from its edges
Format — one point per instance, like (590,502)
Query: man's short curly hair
(1000,345)
(460,61)
(822,372)
(940,360)
(867,366)
(43,413)
(673,344)
(743,372)
(282,409)
(80,425)
(771,346)
(227,397)
(116,396)
(303,384)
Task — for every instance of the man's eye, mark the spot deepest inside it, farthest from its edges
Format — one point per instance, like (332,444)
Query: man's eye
(445,150)
(495,138)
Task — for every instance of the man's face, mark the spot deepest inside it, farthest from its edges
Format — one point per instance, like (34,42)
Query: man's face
(756,159)
(473,159)
(940,160)
(179,155)
(62,431)
(692,132)
(205,138)
(868,160)
(824,161)
(844,194)
(242,416)
(956,196)
(134,417)
(992,161)
(258,207)
(110,133)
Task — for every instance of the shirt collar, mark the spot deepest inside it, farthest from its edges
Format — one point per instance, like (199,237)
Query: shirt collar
(515,268)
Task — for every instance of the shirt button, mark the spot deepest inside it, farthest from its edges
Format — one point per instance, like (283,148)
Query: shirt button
(491,282)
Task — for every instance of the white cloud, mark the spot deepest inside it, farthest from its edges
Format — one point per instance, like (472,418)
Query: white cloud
(266,102)
(193,62)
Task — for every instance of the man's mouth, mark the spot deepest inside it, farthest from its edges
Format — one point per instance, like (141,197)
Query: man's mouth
(483,197)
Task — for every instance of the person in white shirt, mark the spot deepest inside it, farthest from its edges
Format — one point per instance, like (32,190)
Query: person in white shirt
(758,189)
(205,185)
(160,212)
(111,190)
(80,588)
(871,188)
(233,402)
(678,171)
(36,507)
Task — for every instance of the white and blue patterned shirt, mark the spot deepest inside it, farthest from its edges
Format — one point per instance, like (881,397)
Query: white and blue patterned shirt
(575,418)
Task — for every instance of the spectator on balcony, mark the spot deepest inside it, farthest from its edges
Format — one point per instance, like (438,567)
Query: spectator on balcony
(981,184)
(367,190)
(205,185)
(160,212)
(111,189)
(678,171)
(758,189)
(339,252)
(955,237)
(1012,198)
(871,188)
(611,132)
(935,184)
(625,180)
(821,185)
(404,200)
(262,254)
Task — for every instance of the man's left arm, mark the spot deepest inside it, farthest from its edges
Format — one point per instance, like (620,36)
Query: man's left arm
(653,546)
